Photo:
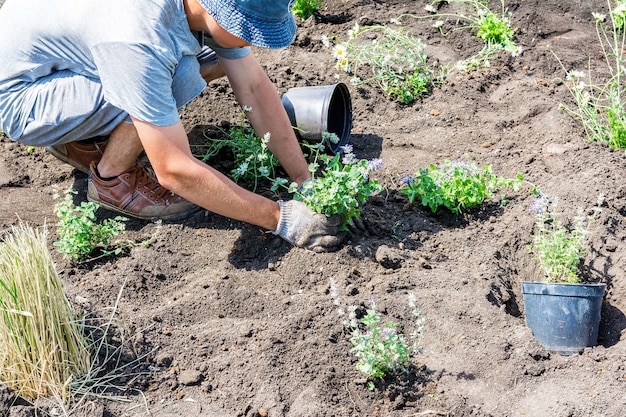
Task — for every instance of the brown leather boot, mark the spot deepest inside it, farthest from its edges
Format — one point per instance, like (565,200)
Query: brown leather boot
(79,154)
(136,193)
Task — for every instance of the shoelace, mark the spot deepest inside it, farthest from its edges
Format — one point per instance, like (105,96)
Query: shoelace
(139,177)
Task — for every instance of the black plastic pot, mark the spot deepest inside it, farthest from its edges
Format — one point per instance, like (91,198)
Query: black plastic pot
(563,317)
(315,110)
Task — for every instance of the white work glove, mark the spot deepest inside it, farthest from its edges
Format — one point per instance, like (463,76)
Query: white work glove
(304,228)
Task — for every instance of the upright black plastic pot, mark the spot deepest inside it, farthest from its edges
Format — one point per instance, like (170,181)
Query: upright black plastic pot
(315,110)
(563,317)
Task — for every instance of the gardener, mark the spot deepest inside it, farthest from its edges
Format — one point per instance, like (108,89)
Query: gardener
(75,72)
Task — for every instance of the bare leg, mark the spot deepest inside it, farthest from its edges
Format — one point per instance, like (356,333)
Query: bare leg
(121,152)
(212,73)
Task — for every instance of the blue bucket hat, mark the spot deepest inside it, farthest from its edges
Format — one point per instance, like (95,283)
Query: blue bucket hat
(262,23)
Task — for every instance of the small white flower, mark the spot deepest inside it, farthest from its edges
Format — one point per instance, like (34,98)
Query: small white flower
(242,168)
(394,21)
(343,65)
(352,33)
(620,10)
(598,16)
(586,98)
(325,41)
(575,75)
(355,80)
(430,8)
(517,51)
(264,171)
(339,51)
(438,24)
(246,108)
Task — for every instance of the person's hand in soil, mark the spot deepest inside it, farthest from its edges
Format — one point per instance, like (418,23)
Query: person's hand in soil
(304,228)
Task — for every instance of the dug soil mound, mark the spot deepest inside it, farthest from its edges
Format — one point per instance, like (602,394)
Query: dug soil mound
(233,321)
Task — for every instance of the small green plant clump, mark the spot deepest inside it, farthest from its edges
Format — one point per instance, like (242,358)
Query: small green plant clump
(618,14)
(339,186)
(381,351)
(600,105)
(306,8)
(559,249)
(387,58)
(252,159)
(456,185)
(493,28)
(80,233)
(42,347)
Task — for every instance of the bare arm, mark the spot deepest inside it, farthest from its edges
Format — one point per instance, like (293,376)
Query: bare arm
(254,89)
(180,172)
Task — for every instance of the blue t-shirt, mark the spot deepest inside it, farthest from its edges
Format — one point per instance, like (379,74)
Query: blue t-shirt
(142,52)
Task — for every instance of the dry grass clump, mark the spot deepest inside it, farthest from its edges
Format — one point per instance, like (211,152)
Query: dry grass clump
(43,348)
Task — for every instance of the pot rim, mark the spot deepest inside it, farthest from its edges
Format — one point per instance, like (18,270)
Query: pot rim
(580,289)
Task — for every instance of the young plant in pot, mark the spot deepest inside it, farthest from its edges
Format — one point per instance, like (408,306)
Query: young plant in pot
(562,310)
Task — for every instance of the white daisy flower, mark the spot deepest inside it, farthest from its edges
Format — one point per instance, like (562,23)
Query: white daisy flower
(325,41)
(339,51)
(343,65)
(438,24)
(598,16)
(574,75)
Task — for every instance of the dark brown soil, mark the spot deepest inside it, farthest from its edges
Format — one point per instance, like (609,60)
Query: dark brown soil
(239,323)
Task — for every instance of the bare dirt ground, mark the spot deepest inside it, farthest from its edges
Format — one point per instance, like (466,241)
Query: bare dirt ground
(239,323)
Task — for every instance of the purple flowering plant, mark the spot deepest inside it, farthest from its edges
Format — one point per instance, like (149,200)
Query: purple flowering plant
(558,248)
(380,349)
(340,184)
(456,185)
